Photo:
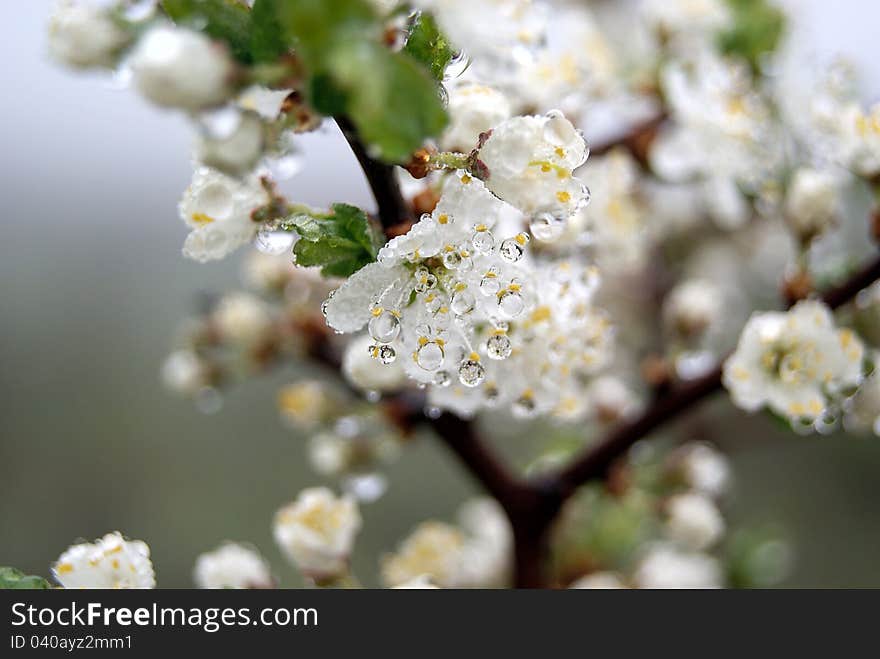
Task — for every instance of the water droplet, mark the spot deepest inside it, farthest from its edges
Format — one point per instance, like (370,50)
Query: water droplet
(209,400)
(524,406)
(547,227)
(512,249)
(490,285)
(433,412)
(458,64)
(451,260)
(430,356)
(384,327)
(511,304)
(425,280)
(463,302)
(387,354)
(558,131)
(285,166)
(273,241)
(498,346)
(433,303)
(442,379)
(483,242)
(471,373)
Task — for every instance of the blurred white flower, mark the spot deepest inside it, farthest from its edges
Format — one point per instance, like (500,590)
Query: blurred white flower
(811,203)
(693,521)
(692,307)
(177,67)
(218,210)
(236,153)
(232,565)
(242,318)
(83,35)
(317,532)
(421,582)
(598,581)
(664,566)
(795,362)
(703,468)
(183,372)
(109,562)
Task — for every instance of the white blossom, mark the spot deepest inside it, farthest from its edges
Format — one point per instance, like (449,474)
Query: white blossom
(598,581)
(861,139)
(530,162)
(687,21)
(475,555)
(317,532)
(83,35)
(177,67)
(664,566)
(237,153)
(473,109)
(811,203)
(692,307)
(863,410)
(693,521)
(183,372)
(218,210)
(796,362)
(109,562)
(232,565)
(242,318)
(703,468)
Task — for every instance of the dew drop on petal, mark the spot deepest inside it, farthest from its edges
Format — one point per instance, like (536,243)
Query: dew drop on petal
(511,304)
(463,302)
(511,250)
(546,227)
(387,354)
(273,241)
(384,327)
(457,65)
(498,346)
(430,356)
(471,373)
(483,242)
(220,124)
(442,379)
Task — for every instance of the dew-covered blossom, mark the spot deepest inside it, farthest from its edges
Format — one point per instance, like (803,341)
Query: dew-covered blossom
(718,112)
(218,208)
(83,35)
(476,554)
(473,110)
(664,566)
(242,318)
(177,67)
(693,521)
(598,581)
(797,363)
(530,162)
(812,202)
(237,152)
(317,531)
(109,562)
(463,308)
(232,565)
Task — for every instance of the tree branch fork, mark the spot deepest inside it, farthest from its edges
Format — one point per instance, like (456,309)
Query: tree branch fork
(532,504)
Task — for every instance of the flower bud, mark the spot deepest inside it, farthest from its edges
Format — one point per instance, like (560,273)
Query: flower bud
(317,532)
(180,68)
(811,203)
(232,566)
(84,36)
(692,307)
(242,318)
(693,521)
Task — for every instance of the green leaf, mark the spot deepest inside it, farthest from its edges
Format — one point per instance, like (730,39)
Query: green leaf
(224,20)
(268,41)
(427,45)
(391,99)
(316,25)
(339,243)
(12,579)
(757,28)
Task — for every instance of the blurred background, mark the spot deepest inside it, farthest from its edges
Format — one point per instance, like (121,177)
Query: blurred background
(93,288)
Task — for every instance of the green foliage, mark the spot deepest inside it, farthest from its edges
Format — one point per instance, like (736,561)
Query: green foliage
(756,558)
(757,28)
(268,40)
(12,579)
(340,243)
(318,26)
(225,20)
(427,45)
(391,99)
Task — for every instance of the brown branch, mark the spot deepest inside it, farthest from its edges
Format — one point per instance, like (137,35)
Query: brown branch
(597,459)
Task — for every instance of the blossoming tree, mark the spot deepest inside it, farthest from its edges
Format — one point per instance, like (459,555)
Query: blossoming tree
(719,247)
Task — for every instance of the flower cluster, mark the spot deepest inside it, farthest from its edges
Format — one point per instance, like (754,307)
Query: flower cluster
(109,562)
(798,363)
